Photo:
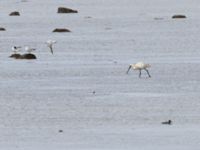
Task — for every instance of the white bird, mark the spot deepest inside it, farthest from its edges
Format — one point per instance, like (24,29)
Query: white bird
(16,49)
(50,44)
(140,66)
(28,49)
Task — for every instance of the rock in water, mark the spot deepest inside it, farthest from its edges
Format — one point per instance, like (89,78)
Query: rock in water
(66,10)
(2,29)
(60,131)
(28,56)
(61,30)
(169,122)
(16,56)
(178,16)
(15,13)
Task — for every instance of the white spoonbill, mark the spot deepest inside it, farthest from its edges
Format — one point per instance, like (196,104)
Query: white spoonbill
(50,44)
(16,49)
(29,50)
(139,66)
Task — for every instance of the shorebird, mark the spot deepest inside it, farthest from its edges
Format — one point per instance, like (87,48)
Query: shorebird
(29,50)
(50,44)
(139,66)
(16,49)
(169,122)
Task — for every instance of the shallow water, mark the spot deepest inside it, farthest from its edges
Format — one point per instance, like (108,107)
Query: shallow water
(40,97)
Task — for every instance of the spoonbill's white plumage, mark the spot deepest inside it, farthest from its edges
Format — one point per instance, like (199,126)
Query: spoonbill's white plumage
(50,44)
(29,49)
(16,49)
(140,66)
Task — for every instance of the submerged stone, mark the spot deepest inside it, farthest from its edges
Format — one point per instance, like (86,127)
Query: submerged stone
(178,17)
(2,29)
(28,56)
(15,13)
(17,56)
(66,10)
(61,30)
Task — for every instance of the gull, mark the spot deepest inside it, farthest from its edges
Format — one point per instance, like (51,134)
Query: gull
(16,49)
(139,66)
(50,44)
(29,50)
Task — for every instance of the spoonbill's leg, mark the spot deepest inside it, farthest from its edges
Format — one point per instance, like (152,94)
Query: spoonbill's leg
(128,69)
(140,73)
(148,73)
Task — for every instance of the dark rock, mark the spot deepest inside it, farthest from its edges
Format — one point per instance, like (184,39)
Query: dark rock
(61,30)
(15,13)
(169,122)
(24,56)
(2,29)
(60,131)
(178,17)
(66,10)
(28,56)
(17,56)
